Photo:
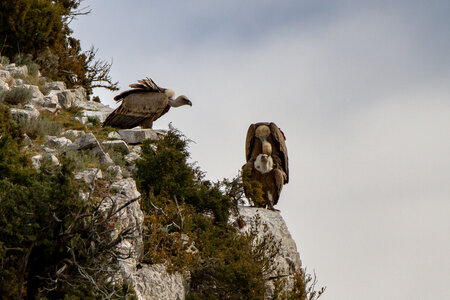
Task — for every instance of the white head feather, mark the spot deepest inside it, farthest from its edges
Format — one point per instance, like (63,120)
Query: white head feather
(263,163)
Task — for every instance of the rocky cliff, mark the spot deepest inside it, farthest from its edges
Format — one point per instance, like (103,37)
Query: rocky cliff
(148,281)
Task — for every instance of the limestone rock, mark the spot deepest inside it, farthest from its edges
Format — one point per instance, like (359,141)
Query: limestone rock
(114,135)
(51,100)
(57,142)
(138,135)
(6,77)
(3,85)
(38,159)
(79,94)
(116,171)
(105,159)
(17,70)
(55,85)
(82,120)
(90,105)
(89,175)
(99,115)
(65,99)
(28,112)
(288,259)
(116,145)
(130,158)
(73,134)
(87,141)
(153,281)
(36,92)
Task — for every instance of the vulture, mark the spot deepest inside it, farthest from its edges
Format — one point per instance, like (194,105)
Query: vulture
(142,105)
(267,161)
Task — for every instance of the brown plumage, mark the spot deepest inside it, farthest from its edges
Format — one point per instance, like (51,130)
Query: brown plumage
(142,105)
(270,133)
(272,184)
(267,162)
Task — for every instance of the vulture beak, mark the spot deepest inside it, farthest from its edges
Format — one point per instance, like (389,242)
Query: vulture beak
(189,102)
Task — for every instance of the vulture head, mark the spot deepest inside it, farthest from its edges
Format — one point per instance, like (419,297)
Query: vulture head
(180,101)
(263,163)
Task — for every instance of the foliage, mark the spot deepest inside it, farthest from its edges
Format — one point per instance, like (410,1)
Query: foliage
(164,171)
(253,189)
(304,287)
(53,244)
(16,95)
(186,225)
(38,128)
(41,28)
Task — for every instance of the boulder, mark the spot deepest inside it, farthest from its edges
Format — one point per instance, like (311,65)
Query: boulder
(73,134)
(114,135)
(17,70)
(36,92)
(6,77)
(153,281)
(57,142)
(37,160)
(99,115)
(27,113)
(89,175)
(3,85)
(55,85)
(65,99)
(117,145)
(138,135)
(130,158)
(51,100)
(115,171)
(79,94)
(87,141)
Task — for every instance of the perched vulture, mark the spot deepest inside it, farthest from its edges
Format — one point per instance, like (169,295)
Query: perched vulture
(267,161)
(143,104)
(267,138)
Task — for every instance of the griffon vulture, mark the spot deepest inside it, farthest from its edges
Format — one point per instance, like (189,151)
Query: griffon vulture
(267,138)
(143,104)
(267,161)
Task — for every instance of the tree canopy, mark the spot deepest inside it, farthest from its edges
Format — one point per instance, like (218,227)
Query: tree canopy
(41,28)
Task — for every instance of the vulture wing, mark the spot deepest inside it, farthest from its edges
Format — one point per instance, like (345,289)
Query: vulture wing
(143,86)
(280,139)
(250,141)
(136,107)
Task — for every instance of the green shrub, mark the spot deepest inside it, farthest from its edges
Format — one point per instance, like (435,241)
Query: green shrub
(164,171)
(16,96)
(53,244)
(38,128)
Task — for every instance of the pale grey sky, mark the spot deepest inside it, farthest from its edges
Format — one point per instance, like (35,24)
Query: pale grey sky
(360,88)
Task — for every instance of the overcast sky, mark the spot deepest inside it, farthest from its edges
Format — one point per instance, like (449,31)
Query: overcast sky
(361,90)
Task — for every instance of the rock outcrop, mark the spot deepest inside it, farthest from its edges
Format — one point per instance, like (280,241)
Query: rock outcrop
(287,261)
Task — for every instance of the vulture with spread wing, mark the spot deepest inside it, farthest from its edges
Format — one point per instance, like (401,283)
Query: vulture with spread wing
(143,104)
(267,161)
